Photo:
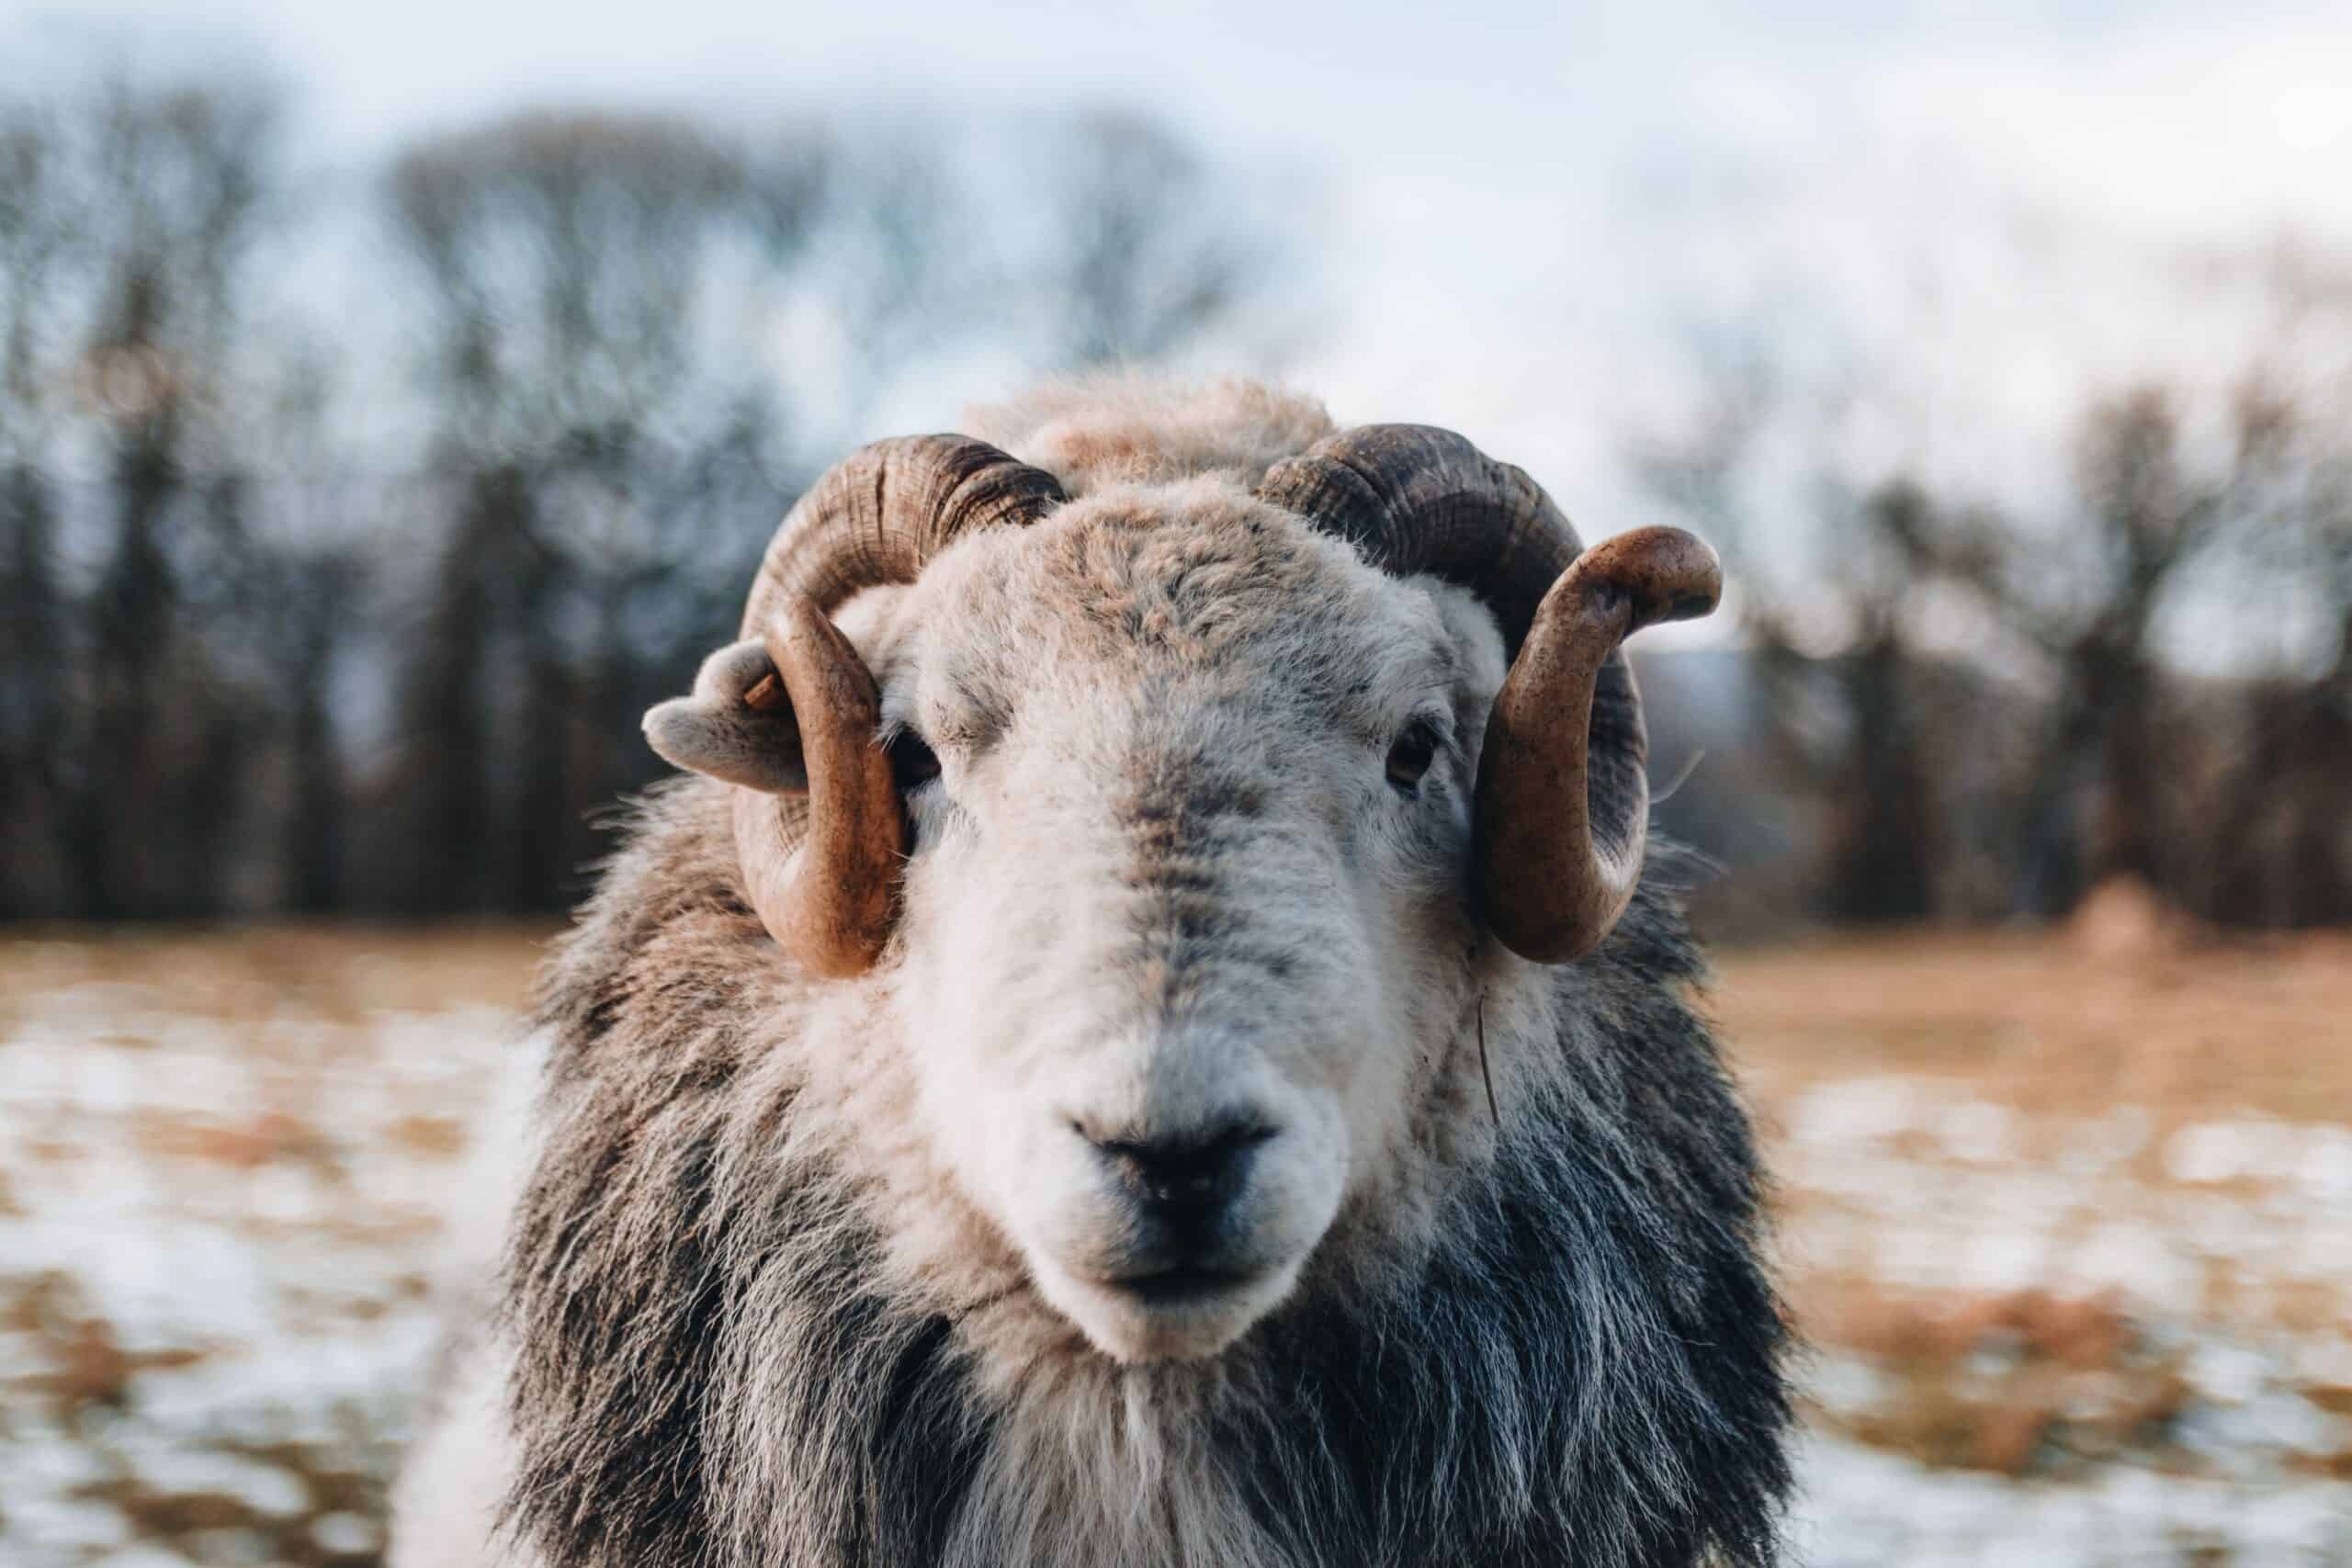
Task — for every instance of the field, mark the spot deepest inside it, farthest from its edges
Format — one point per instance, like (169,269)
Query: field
(2067,1219)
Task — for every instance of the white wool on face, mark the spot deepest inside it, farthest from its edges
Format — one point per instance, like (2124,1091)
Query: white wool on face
(1164,881)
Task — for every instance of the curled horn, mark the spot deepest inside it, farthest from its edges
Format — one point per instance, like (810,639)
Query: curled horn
(790,713)
(1563,808)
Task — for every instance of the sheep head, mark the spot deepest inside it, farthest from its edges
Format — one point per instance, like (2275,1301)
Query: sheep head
(1177,827)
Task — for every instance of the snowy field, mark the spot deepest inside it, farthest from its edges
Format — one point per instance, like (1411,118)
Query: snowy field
(2070,1230)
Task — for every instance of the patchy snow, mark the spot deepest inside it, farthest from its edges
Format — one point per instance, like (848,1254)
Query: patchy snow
(217,1238)
(2140,1344)
(1863,1508)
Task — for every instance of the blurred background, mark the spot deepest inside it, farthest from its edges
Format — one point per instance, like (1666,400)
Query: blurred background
(393,404)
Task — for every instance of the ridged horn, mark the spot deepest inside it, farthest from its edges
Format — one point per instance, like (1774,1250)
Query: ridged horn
(880,513)
(1563,803)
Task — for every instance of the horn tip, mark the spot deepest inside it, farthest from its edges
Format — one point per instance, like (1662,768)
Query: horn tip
(1666,573)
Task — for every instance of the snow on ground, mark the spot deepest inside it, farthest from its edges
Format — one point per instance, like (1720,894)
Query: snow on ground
(2039,1339)
(2043,1336)
(218,1235)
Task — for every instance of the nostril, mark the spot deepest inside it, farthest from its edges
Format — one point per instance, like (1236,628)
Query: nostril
(1187,1176)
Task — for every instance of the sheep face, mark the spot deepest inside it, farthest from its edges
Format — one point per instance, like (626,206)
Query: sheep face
(1186,906)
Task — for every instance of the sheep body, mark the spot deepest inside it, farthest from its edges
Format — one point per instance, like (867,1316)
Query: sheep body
(748,1317)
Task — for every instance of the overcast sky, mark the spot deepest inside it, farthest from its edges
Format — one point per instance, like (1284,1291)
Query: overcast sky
(1971,212)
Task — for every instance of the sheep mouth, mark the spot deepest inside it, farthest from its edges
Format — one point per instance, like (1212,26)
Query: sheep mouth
(1184,1310)
(1179,1285)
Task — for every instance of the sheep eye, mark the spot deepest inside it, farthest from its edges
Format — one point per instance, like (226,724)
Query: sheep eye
(1412,754)
(913,761)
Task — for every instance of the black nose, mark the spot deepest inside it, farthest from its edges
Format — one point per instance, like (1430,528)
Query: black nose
(1187,1182)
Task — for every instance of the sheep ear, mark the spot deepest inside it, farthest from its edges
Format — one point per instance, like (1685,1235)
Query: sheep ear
(737,727)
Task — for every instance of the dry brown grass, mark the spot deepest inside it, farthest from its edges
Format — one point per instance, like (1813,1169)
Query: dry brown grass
(2019,1383)
(2046,1024)
(336,973)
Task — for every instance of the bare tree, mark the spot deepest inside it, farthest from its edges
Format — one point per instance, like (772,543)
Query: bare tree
(2281,852)
(1143,260)
(37,231)
(1844,724)
(900,263)
(2084,598)
(571,264)
(185,171)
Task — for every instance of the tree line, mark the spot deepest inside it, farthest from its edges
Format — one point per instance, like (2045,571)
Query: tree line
(1986,710)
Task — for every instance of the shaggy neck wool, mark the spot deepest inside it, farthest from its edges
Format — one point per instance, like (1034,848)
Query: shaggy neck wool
(716,1368)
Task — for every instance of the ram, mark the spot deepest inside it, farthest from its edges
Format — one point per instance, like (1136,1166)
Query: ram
(1148,1042)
